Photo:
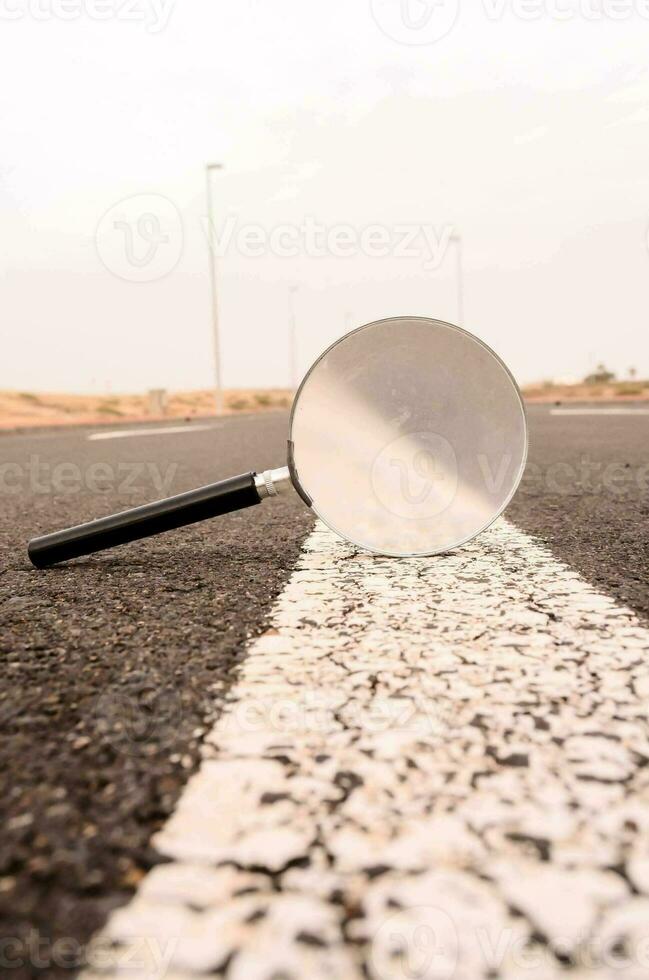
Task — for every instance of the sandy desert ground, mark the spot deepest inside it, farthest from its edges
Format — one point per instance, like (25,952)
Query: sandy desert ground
(26,409)
(20,409)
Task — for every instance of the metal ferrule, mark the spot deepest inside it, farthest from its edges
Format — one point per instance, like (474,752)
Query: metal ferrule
(273,483)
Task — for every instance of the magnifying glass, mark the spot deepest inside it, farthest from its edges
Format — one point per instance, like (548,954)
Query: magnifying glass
(407,437)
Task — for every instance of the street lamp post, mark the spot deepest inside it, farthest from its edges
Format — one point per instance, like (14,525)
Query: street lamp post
(292,338)
(459,257)
(218,388)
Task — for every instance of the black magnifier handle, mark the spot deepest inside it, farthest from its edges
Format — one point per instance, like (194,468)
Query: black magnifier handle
(162,515)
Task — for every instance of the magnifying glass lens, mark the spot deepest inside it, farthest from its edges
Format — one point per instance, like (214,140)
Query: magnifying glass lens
(409,436)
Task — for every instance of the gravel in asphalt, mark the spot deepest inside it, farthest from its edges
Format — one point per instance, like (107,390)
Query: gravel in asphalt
(586,496)
(115,665)
(431,769)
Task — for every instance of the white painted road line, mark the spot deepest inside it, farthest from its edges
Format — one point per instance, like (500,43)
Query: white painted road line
(152,431)
(599,411)
(429,768)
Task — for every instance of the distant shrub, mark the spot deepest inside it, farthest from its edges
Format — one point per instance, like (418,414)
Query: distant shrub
(631,389)
(108,408)
(238,404)
(29,397)
(262,399)
(602,376)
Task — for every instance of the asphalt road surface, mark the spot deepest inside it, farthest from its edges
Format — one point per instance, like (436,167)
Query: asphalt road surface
(116,666)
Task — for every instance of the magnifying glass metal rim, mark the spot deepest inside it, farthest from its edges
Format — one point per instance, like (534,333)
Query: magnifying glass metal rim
(303,491)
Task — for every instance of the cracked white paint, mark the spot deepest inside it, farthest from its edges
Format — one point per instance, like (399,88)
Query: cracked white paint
(429,768)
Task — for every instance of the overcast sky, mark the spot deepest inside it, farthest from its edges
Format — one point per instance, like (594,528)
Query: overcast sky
(357,138)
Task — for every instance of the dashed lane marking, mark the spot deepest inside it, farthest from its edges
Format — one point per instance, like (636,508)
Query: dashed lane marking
(433,768)
(599,411)
(166,430)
